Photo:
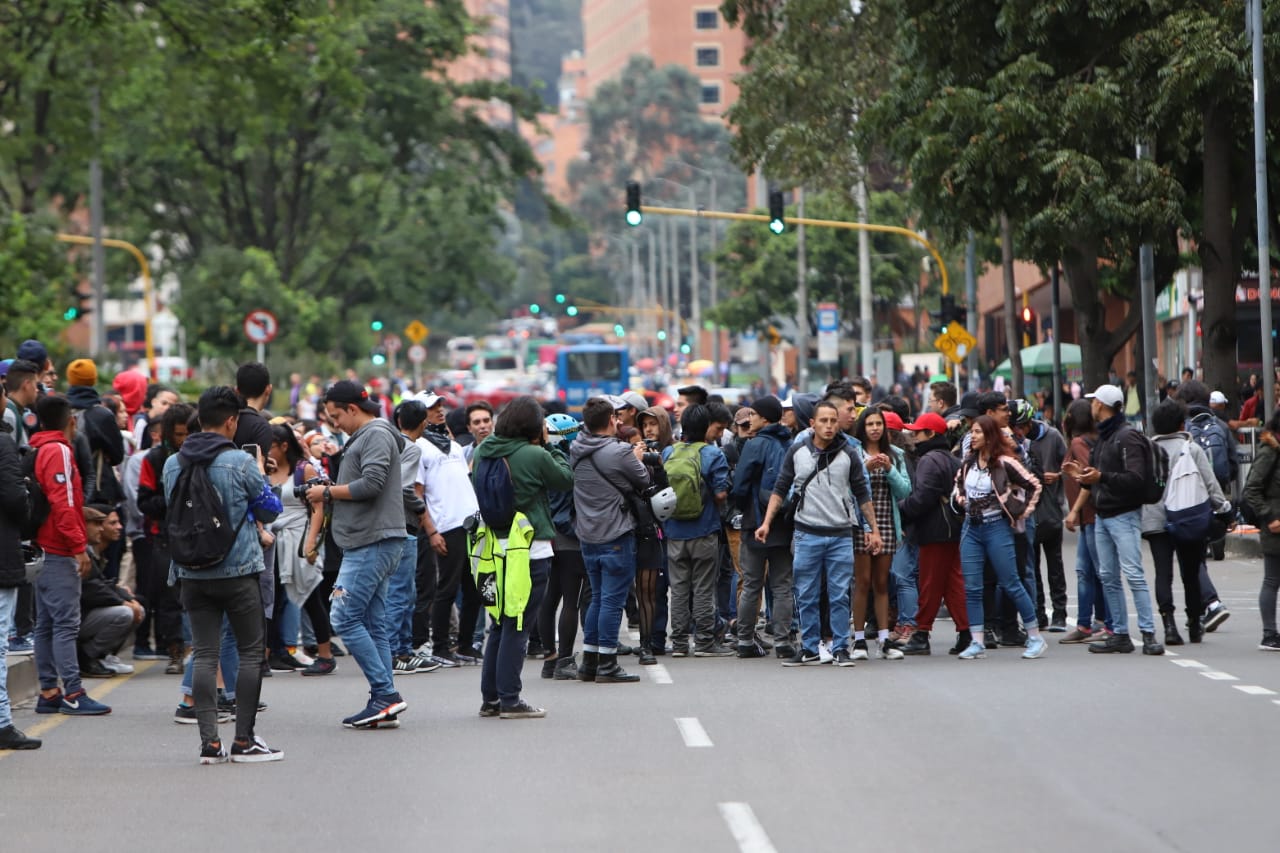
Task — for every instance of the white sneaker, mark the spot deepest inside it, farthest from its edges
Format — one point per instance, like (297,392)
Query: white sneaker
(113,663)
(859,650)
(884,651)
(824,652)
(302,657)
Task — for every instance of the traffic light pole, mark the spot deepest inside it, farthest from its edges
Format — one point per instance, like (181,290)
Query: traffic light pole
(814,223)
(145,267)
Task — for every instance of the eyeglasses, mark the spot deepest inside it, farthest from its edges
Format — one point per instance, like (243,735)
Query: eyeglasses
(743,424)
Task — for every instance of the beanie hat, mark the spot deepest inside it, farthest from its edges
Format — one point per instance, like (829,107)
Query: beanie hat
(132,387)
(34,352)
(769,408)
(82,371)
(803,406)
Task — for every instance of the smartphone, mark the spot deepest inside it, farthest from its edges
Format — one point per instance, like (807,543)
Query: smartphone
(253,450)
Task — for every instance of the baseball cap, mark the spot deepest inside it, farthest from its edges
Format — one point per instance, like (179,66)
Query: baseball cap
(428,399)
(931,421)
(892,421)
(617,402)
(348,393)
(1217,398)
(636,400)
(1109,395)
(969,405)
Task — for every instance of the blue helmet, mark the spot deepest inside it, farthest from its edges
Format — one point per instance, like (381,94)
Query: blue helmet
(562,427)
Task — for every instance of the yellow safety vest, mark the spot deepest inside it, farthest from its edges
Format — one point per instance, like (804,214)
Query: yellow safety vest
(502,574)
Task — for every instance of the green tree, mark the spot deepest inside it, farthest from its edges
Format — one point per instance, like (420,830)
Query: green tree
(33,265)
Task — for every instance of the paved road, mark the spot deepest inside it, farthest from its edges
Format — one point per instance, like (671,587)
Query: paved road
(1072,752)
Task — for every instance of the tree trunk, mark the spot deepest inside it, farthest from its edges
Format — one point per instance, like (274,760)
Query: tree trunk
(1010,304)
(1098,345)
(1218,255)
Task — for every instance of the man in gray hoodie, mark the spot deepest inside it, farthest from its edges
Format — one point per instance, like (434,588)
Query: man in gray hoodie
(369,525)
(604,470)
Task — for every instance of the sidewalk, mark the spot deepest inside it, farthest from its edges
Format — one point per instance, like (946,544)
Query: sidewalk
(1244,542)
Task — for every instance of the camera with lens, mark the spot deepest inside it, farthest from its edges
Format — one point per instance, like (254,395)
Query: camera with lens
(300,490)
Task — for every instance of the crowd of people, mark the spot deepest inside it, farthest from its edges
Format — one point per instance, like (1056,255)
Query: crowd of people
(232,543)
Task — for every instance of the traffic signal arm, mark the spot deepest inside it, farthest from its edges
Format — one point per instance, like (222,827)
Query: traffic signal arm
(815,223)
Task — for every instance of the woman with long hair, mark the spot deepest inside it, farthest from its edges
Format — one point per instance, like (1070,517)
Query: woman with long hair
(298,573)
(1092,619)
(887,469)
(651,557)
(1262,494)
(997,494)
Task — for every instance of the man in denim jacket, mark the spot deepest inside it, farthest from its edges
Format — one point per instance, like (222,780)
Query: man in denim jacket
(231,588)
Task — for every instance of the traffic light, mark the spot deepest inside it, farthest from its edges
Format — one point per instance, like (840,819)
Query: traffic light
(662,334)
(948,309)
(619,330)
(378,356)
(572,310)
(777,212)
(375,325)
(686,349)
(634,216)
(81,305)
(559,298)
(1028,324)
(535,308)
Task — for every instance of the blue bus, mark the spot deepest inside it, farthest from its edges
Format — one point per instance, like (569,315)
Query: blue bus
(589,370)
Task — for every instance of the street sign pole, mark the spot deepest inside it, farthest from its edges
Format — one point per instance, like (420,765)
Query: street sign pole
(262,353)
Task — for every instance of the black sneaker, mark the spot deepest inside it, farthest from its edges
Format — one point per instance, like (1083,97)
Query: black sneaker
(490,709)
(841,657)
(1150,646)
(751,651)
(95,669)
(680,650)
(918,644)
(338,651)
(1215,616)
(803,658)
(324,666)
(213,753)
(283,662)
(265,669)
(714,650)
(522,710)
(1270,643)
(1058,625)
(254,752)
(785,651)
(1113,644)
(447,659)
(186,714)
(469,657)
(12,738)
(1016,637)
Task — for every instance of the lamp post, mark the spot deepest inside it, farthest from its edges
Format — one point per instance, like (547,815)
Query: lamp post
(695,303)
(715,288)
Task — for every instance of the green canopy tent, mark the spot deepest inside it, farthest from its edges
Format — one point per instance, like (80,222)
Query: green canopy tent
(1038,361)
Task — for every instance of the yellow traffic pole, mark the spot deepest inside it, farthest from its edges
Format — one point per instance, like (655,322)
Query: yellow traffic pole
(146,288)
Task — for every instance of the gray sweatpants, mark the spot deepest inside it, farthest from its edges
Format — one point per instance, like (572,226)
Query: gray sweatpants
(103,630)
(58,624)
(692,568)
(754,561)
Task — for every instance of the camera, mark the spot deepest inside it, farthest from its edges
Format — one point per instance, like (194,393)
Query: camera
(300,490)
(651,443)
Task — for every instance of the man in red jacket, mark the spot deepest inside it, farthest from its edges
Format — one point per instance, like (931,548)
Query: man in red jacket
(65,544)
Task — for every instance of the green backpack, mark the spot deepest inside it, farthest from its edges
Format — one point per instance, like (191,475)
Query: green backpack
(684,473)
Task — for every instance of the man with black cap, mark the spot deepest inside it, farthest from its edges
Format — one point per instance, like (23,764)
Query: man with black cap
(1119,466)
(368,524)
(753,482)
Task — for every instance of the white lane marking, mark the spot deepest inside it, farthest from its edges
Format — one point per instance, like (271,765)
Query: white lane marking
(1193,664)
(746,829)
(1170,654)
(1275,701)
(658,673)
(695,736)
(1219,676)
(1254,690)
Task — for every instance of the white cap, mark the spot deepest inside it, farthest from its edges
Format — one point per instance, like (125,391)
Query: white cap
(617,402)
(786,404)
(1217,398)
(636,400)
(428,399)
(1109,395)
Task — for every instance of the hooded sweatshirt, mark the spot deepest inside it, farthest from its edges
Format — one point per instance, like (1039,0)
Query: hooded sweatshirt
(604,467)
(132,387)
(63,532)
(534,471)
(371,469)
(833,495)
(99,446)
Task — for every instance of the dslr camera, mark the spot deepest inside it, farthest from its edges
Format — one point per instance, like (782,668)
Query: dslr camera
(300,490)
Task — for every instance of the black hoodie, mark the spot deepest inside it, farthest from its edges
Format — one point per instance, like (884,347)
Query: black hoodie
(99,446)
(927,517)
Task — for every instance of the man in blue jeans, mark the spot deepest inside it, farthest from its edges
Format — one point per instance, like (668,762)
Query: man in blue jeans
(13,572)
(368,524)
(604,470)
(1119,466)
(829,479)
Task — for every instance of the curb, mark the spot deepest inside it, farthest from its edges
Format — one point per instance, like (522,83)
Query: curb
(22,684)
(1244,545)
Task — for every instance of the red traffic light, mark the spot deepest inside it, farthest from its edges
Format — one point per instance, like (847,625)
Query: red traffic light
(1028,315)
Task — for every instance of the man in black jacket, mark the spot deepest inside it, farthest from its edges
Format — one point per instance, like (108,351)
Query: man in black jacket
(13,513)
(108,613)
(1119,466)
(930,523)
(99,444)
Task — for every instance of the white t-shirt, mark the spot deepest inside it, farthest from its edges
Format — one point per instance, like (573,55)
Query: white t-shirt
(446,484)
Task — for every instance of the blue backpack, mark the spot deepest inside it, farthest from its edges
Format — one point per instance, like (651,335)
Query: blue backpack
(495,493)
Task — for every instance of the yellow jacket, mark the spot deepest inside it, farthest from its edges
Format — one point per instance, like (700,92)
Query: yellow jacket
(502,573)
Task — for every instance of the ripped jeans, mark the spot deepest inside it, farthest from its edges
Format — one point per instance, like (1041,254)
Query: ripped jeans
(358,609)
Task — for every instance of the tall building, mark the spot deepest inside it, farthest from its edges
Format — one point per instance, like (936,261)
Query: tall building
(490,58)
(690,33)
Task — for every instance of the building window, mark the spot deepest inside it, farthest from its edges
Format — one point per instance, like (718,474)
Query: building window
(710,93)
(708,57)
(707,19)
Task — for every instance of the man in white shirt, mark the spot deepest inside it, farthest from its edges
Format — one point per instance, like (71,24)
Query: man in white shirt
(451,501)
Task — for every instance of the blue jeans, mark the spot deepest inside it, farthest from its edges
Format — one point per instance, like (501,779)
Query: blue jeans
(815,557)
(8,604)
(402,596)
(58,624)
(1119,544)
(611,568)
(993,541)
(1092,600)
(905,572)
(358,609)
(504,651)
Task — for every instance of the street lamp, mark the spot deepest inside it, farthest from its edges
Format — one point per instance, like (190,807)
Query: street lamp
(715,288)
(695,302)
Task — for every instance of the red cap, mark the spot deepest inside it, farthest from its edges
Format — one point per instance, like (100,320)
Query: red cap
(892,421)
(931,421)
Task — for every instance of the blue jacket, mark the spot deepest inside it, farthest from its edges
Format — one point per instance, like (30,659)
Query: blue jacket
(715,473)
(754,479)
(245,494)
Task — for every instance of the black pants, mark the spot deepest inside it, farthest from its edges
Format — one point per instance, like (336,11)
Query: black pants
(1163,550)
(453,575)
(206,602)
(164,615)
(564,584)
(1049,540)
(426,591)
(24,617)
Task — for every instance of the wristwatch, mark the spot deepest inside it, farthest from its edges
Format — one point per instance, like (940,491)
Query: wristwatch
(328,496)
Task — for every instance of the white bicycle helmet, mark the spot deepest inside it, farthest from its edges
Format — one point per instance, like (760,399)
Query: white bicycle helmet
(663,503)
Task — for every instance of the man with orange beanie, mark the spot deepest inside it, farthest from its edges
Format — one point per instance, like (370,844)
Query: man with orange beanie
(99,446)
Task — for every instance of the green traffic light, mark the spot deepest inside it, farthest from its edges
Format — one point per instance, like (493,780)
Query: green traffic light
(662,335)
(379,359)
(559,298)
(376,325)
(572,311)
(686,349)
(535,308)
(70,314)
(777,226)
(634,217)
(619,330)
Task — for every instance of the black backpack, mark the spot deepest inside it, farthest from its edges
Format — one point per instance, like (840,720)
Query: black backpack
(37,503)
(200,533)
(495,494)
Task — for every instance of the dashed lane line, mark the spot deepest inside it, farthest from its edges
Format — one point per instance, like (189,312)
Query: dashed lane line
(658,673)
(746,828)
(1189,664)
(1214,675)
(695,736)
(1254,690)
